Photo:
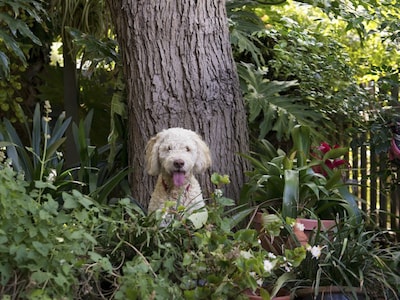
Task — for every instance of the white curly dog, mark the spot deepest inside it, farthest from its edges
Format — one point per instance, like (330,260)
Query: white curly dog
(175,155)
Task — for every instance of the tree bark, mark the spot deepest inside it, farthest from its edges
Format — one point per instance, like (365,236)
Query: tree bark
(180,73)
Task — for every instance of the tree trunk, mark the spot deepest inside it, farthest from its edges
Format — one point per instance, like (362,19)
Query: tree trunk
(180,73)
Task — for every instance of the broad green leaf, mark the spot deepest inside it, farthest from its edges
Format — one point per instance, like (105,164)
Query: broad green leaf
(290,194)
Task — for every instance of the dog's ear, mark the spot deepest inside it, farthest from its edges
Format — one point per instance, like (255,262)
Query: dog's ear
(151,156)
(203,161)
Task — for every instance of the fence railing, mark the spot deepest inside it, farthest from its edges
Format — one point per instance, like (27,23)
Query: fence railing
(378,183)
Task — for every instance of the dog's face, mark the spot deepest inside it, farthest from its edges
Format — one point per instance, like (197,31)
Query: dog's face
(177,153)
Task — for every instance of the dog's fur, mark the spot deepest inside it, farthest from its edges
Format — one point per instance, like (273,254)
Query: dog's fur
(175,155)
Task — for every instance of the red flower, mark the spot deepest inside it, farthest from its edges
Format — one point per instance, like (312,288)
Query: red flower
(324,148)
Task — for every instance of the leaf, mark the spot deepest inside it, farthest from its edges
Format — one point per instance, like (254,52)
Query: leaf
(199,218)
(290,194)
(69,201)
(4,65)
(40,277)
(301,143)
(335,153)
(43,249)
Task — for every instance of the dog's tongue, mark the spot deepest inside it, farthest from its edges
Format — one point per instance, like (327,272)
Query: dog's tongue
(178,178)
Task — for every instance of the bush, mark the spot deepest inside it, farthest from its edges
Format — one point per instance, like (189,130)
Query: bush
(45,248)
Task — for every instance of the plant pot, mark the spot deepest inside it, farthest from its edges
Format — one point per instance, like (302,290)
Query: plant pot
(283,295)
(275,245)
(310,225)
(329,293)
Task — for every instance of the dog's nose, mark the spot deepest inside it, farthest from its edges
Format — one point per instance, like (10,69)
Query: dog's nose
(179,163)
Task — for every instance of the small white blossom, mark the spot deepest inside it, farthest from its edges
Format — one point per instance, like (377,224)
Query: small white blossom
(218,193)
(47,107)
(271,255)
(268,266)
(52,176)
(288,266)
(315,251)
(59,154)
(299,226)
(258,279)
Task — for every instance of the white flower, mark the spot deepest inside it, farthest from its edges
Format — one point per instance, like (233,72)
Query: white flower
(315,251)
(218,193)
(268,266)
(47,106)
(52,176)
(246,254)
(259,281)
(288,266)
(271,255)
(299,226)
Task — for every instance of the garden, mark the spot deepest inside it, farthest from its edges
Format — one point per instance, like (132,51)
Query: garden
(316,218)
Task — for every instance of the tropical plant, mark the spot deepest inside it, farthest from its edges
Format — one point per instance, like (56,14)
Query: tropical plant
(353,257)
(42,158)
(42,161)
(16,18)
(98,178)
(270,107)
(293,184)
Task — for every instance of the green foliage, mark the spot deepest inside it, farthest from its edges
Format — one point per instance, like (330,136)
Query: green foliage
(43,246)
(37,160)
(17,39)
(98,179)
(293,183)
(174,259)
(354,256)
(271,107)
(16,17)
(42,161)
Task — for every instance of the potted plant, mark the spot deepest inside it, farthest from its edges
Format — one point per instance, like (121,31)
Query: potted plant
(357,263)
(300,184)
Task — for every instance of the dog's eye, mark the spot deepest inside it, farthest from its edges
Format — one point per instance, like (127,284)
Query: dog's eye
(187,149)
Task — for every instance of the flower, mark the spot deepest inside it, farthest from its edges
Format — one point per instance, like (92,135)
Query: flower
(299,226)
(331,163)
(315,251)
(268,266)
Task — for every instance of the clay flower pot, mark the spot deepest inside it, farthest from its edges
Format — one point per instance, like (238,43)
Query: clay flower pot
(329,293)
(275,245)
(309,226)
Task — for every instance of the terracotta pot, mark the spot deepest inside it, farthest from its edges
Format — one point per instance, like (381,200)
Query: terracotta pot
(329,293)
(310,225)
(275,245)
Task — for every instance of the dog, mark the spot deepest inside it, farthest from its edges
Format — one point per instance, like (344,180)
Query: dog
(175,155)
